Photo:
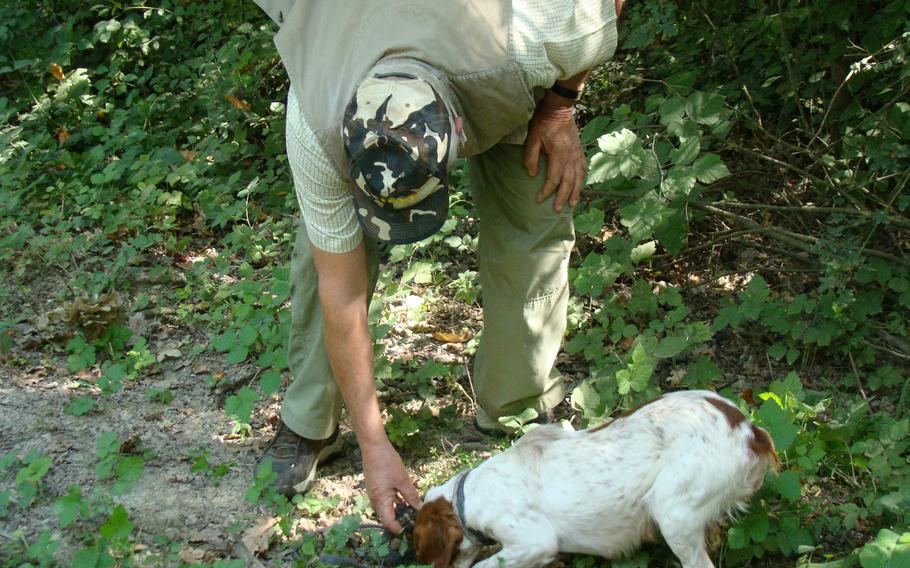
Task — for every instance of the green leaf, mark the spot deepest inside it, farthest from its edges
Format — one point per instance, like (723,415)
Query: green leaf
(128,470)
(118,525)
(758,527)
(240,405)
(673,229)
(686,152)
(86,558)
(270,381)
(418,272)
(590,222)
(107,444)
(81,360)
(237,354)
(702,372)
(79,406)
(111,380)
(705,108)
(594,129)
(643,252)
(754,298)
(621,154)
(515,422)
(225,341)
(788,485)
(642,216)
(672,110)
(642,299)
(737,538)
(248,335)
(678,183)
(616,143)
(586,398)
(709,168)
(778,423)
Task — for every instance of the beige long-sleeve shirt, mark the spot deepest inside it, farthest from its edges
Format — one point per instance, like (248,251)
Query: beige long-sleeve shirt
(549,39)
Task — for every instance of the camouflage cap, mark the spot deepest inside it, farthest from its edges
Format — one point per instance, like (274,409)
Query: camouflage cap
(398,132)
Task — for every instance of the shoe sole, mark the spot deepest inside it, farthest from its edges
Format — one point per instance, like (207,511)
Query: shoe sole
(333,450)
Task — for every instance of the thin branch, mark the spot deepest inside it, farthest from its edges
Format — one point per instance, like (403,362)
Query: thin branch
(717,238)
(804,243)
(859,382)
(887,350)
(801,172)
(774,269)
(810,210)
(790,77)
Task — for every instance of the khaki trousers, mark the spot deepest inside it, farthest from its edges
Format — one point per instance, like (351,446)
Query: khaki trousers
(523,255)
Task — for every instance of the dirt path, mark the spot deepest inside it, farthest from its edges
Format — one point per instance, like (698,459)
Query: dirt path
(181,515)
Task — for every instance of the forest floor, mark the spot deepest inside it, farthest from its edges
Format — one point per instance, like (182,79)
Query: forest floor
(188,506)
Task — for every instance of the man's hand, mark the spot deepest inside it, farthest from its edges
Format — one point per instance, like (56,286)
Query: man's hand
(552,130)
(386,478)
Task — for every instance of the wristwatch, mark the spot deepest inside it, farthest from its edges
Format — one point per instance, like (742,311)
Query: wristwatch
(566,92)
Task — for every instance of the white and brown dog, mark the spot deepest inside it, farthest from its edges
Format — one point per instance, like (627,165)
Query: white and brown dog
(680,464)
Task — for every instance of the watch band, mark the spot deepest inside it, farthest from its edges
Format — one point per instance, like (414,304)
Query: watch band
(566,92)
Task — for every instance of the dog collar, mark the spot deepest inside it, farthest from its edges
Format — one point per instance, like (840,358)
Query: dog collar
(459,507)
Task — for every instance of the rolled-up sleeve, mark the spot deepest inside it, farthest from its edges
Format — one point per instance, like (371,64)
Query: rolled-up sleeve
(323,193)
(556,39)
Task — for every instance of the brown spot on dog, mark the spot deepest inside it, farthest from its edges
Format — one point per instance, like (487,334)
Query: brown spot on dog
(629,412)
(763,446)
(437,534)
(731,413)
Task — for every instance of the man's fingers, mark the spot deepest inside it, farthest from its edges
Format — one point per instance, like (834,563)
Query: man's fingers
(581,172)
(386,512)
(566,185)
(411,496)
(554,177)
(532,156)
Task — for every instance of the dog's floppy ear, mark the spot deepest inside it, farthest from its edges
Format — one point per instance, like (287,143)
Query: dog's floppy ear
(437,534)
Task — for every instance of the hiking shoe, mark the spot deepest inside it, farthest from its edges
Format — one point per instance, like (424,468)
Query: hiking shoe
(294,458)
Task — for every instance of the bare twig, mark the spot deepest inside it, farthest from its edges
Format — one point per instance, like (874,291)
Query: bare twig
(735,67)
(746,271)
(790,76)
(806,243)
(473,396)
(887,350)
(801,172)
(810,210)
(859,382)
(855,68)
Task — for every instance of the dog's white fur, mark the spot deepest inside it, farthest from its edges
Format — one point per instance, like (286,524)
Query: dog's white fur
(679,464)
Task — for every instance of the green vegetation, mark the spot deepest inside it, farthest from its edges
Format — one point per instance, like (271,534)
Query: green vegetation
(744,230)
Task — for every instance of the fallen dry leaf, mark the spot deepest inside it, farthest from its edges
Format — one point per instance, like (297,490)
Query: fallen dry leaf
(676,376)
(239,104)
(95,315)
(62,135)
(257,538)
(191,555)
(57,71)
(446,337)
(169,353)
(188,155)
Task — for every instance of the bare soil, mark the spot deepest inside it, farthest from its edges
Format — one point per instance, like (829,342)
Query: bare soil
(183,516)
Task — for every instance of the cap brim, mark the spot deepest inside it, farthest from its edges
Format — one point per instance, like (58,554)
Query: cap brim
(403,226)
